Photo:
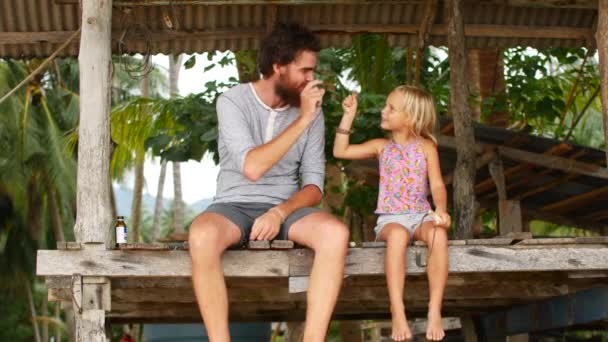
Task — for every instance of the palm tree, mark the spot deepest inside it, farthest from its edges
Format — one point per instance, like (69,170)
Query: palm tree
(37,173)
(178,221)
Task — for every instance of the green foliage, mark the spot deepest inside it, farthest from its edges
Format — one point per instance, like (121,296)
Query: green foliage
(194,130)
(538,86)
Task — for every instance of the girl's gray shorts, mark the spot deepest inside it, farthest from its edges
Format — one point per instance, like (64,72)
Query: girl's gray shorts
(410,221)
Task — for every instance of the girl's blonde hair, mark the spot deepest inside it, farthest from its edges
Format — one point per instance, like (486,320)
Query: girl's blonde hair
(418,105)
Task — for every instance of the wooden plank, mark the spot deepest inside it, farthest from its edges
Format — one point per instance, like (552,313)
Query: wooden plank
(281,244)
(489,183)
(144,247)
(68,245)
(258,245)
(592,239)
(548,241)
(113,263)
(554,162)
(297,262)
(490,242)
(370,261)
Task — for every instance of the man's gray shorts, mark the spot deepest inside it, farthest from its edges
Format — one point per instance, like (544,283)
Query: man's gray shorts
(244,214)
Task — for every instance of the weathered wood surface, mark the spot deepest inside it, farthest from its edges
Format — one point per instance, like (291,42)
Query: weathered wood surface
(172,299)
(464,172)
(602,49)
(94,211)
(297,262)
(554,162)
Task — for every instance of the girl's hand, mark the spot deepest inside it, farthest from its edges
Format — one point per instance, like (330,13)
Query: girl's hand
(349,105)
(442,219)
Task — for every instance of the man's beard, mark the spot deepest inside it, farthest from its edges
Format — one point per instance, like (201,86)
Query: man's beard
(287,93)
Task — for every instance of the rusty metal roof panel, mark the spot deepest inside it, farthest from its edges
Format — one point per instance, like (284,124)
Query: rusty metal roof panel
(200,28)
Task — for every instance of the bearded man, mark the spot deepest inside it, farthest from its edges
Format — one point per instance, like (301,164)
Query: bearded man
(272,168)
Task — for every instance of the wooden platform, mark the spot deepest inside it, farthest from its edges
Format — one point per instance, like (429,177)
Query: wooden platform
(152,283)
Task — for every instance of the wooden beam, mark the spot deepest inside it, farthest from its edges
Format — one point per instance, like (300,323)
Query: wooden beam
(489,31)
(424,31)
(565,220)
(578,201)
(489,183)
(298,262)
(545,187)
(94,210)
(555,313)
(540,176)
(554,162)
(480,162)
(601,37)
(498,175)
(586,4)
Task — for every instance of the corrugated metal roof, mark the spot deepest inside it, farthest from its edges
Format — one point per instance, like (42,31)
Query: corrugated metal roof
(36,27)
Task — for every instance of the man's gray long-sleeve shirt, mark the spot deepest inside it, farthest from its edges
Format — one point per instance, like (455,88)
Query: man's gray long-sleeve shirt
(245,122)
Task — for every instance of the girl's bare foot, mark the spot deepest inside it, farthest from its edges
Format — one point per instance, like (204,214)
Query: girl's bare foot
(434,328)
(401,330)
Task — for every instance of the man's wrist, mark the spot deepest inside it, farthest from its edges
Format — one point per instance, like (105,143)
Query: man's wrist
(279,213)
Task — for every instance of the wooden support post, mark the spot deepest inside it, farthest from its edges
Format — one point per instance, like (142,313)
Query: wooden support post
(518,338)
(94,209)
(509,212)
(602,48)
(464,174)
(91,300)
(295,332)
(468,329)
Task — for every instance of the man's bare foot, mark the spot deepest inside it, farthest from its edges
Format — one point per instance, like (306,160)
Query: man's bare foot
(401,330)
(434,328)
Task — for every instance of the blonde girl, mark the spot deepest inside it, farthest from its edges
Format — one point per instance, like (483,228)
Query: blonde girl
(409,168)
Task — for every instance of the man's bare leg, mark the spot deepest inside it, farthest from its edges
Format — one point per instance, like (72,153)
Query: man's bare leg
(210,235)
(436,239)
(328,237)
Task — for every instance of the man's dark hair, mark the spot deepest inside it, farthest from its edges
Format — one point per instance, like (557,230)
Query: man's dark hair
(282,45)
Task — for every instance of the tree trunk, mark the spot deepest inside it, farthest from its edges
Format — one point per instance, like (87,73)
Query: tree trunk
(464,175)
(134,230)
(32,307)
(93,210)
(175,64)
(57,327)
(158,207)
(45,324)
(473,70)
(140,158)
(602,48)
(54,210)
(178,203)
